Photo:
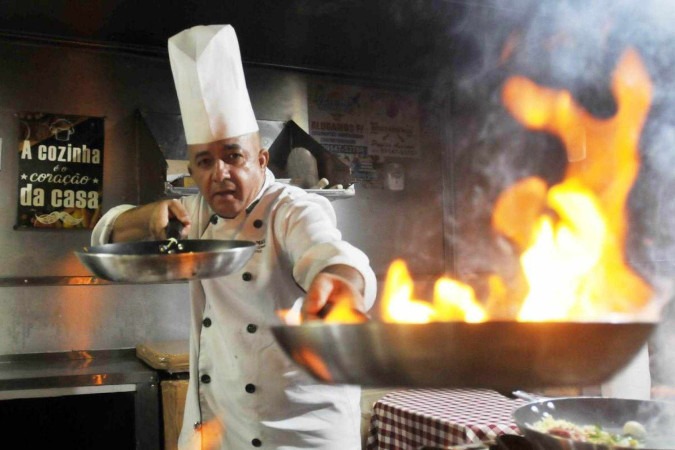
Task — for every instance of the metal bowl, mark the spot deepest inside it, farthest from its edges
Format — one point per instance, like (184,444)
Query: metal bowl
(143,262)
(500,355)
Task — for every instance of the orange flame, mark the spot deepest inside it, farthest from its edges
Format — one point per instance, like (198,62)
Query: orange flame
(571,237)
(343,312)
(452,300)
(208,436)
(308,358)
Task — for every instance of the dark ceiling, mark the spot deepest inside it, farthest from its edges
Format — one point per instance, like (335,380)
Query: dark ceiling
(397,39)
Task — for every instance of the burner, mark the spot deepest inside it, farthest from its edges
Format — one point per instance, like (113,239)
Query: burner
(503,442)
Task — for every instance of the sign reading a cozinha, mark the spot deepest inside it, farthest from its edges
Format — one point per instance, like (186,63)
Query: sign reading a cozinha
(60,171)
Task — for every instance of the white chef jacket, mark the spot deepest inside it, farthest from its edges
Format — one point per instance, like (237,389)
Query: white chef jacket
(240,379)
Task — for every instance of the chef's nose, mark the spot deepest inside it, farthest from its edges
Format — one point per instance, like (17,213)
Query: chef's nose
(221,171)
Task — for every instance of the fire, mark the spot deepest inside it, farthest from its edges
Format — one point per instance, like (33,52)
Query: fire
(343,312)
(570,237)
(398,292)
(208,436)
(313,361)
(452,300)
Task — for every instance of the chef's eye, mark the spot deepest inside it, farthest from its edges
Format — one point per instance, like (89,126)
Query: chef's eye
(204,163)
(234,159)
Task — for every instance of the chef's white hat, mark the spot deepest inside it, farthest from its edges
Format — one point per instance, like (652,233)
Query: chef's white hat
(209,78)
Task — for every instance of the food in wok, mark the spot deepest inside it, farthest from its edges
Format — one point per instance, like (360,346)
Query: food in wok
(632,435)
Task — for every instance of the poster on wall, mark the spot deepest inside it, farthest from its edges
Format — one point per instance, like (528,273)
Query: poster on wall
(393,124)
(337,120)
(366,128)
(60,171)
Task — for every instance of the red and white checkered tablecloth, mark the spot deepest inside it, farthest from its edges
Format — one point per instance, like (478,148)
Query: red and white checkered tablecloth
(413,418)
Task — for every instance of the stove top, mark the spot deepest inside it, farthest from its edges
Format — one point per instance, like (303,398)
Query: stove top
(502,442)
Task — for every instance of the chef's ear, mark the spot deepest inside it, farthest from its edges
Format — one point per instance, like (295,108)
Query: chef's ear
(189,167)
(263,157)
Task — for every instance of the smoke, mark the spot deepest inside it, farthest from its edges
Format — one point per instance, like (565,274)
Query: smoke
(563,44)
(572,45)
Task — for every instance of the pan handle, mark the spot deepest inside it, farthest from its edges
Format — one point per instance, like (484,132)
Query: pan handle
(174,229)
(527,396)
(523,395)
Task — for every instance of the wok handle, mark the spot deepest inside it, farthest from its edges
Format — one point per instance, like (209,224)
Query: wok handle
(527,396)
(174,229)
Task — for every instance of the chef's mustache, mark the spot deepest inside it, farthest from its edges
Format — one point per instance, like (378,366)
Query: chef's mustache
(225,185)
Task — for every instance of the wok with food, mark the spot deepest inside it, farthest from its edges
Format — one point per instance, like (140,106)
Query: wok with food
(597,423)
(632,434)
(170,260)
(157,261)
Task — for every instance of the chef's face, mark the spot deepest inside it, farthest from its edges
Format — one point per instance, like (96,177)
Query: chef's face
(229,172)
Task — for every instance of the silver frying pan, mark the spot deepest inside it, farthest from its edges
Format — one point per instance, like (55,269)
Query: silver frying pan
(145,262)
(166,261)
(498,355)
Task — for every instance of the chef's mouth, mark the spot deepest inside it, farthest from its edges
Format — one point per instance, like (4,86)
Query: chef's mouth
(228,194)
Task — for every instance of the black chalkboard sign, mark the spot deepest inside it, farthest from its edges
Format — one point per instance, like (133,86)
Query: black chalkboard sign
(60,174)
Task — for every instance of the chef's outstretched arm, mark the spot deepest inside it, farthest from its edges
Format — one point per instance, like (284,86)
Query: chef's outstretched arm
(149,221)
(335,283)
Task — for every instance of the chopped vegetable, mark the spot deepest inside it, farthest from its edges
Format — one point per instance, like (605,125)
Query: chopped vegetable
(632,436)
(635,429)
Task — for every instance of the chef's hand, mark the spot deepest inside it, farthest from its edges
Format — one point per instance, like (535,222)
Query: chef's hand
(335,284)
(160,215)
(149,221)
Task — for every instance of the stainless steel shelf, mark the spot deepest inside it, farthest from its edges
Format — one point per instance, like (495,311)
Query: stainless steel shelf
(331,194)
(51,281)
(334,194)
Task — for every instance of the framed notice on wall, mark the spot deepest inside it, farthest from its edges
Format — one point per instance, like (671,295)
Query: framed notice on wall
(365,127)
(60,175)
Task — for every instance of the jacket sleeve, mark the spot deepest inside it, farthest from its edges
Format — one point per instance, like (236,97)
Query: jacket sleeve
(103,229)
(306,227)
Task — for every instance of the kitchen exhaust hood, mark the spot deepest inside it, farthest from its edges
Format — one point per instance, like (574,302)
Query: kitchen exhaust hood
(162,156)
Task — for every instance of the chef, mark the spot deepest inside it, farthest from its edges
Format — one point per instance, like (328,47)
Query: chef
(243,391)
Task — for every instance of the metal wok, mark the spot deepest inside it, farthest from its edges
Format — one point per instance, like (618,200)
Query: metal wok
(497,355)
(149,262)
(658,418)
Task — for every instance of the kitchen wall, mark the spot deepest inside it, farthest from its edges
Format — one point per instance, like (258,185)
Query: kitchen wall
(40,312)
